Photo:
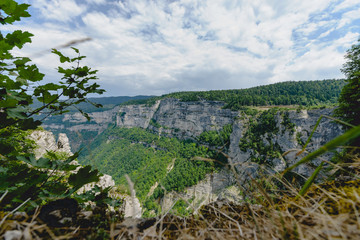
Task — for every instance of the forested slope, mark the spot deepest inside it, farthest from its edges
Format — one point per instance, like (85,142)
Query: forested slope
(305,93)
(149,159)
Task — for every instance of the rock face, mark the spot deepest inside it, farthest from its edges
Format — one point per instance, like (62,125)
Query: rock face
(171,117)
(45,141)
(132,208)
(136,115)
(222,185)
(214,187)
(190,119)
(287,140)
(63,143)
(181,119)
(187,120)
(77,122)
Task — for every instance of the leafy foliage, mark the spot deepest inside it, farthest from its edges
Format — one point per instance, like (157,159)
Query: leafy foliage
(349,100)
(217,138)
(22,176)
(286,122)
(259,129)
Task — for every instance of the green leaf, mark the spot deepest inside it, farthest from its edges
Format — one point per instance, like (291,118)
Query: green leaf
(21,61)
(40,163)
(22,81)
(8,103)
(17,74)
(20,11)
(16,113)
(31,73)
(310,181)
(18,38)
(67,73)
(85,115)
(84,176)
(14,10)
(62,57)
(4,48)
(8,6)
(11,73)
(30,123)
(75,49)
(52,86)
(77,58)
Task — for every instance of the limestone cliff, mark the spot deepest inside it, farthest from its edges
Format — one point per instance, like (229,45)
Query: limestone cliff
(288,140)
(45,141)
(171,117)
(217,186)
(188,120)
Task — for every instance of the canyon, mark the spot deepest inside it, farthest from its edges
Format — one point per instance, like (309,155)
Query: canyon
(173,118)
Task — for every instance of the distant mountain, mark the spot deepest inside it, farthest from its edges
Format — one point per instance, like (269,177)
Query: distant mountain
(107,102)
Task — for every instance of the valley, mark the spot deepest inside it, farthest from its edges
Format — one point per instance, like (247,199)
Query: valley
(214,148)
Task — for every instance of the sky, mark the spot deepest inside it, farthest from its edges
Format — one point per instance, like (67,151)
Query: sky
(144,47)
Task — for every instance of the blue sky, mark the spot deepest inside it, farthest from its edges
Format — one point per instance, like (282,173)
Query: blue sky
(155,47)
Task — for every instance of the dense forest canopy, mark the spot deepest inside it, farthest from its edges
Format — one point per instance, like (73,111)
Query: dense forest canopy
(145,156)
(304,93)
(149,159)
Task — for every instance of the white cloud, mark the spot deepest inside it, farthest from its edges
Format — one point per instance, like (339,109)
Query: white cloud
(153,47)
(96,1)
(60,10)
(346,4)
(348,17)
(320,62)
(347,40)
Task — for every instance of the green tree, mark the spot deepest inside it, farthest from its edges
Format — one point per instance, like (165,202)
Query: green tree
(349,100)
(22,177)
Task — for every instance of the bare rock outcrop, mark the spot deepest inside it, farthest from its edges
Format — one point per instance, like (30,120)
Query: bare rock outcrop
(45,142)
(216,186)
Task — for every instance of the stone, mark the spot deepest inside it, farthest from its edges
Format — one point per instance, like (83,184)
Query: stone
(105,181)
(45,142)
(13,235)
(132,207)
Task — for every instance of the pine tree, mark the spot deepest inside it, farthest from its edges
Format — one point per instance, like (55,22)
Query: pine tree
(349,100)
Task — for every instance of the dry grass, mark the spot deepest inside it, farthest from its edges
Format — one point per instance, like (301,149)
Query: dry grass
(328,211)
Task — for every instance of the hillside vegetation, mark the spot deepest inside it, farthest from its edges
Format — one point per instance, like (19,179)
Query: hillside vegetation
(304,93)
(149,159)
